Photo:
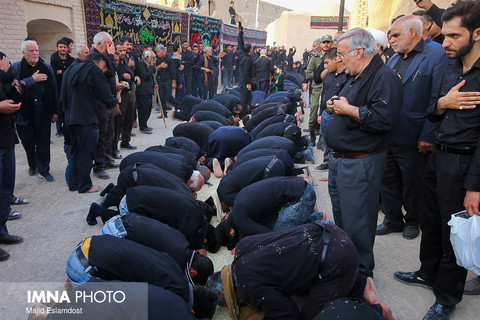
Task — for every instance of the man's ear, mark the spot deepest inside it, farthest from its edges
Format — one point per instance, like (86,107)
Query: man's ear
(476,34)
(189,182)
(192,272)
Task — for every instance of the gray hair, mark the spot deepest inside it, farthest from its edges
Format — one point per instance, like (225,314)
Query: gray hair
(26,43)
(263,51)
(78,50)
(195,177)
(147,54)
(101,38)
(206,49)
(160,47)
(360,38)
(411,22)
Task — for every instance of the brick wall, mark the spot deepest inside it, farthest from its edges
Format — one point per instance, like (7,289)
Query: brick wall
(359,15)
(12,15)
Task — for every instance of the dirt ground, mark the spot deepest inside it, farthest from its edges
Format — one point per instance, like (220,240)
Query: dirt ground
(54,222)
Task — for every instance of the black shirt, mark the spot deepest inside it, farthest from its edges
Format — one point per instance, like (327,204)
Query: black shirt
(7,130)
(166,75)
(378,94)
(461,128)
(332,84)
(228,61)
(187,61)
(403,63)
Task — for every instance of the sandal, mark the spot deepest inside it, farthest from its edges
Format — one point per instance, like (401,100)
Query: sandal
(18,201)
(13,214)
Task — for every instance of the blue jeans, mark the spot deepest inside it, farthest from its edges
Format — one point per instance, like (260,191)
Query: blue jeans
(122,207)
(7,184)
(114,227)
(323,127)
(76,273)
(197,84)
(68,153)
(297,213)
(227,76)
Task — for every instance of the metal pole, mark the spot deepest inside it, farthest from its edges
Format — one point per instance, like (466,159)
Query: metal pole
(256,16)
(340,15)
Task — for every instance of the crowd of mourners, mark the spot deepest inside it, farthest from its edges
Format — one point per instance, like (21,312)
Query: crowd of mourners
(395,115)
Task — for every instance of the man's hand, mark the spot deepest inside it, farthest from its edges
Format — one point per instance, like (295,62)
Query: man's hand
(131,63)
(234,67)
(181,67)
(39,77)
(180,86)
(18,85)
(116,110)
(119,87)
(458,100)
(4,64)
(54,118)
(110,47)
(59,71)
(127,76)
(223,68)
(319,120)
(425,147)
(305,87)
(424,4)
(137,80)
(249,86)
(342,107)
(162,65)
(174,84)
(156,86)
(8,106)
(472,202)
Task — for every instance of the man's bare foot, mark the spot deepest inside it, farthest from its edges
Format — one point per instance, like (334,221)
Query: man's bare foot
(226,164)
(68,285)
(94,189)
(217,168)
(370,293)
(387,313)
(173,114)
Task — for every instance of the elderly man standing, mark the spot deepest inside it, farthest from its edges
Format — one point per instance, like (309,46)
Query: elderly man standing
(166,77)
(263,71)
(358,133)
(81,52)
(419,66)
(38,109)
(145,70)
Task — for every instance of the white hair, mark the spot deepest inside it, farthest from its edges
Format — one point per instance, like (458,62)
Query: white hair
(101,38)
(195,177)
(147,54)
(26,43)
(379,36)
(160,47)
(263,51)
(360,38)
(411,22)
(206,49)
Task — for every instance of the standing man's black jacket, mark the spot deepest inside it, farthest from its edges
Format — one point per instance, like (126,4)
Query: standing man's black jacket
(228,60)
(60,64)
(194,131)
(166,75)
(7,128)
(173,163)
(110,73)
(257,205)
(214,106)
(246,63)
(178,210)
(272,142)
(145,72)
(122,259)
(84,84)
(187,61)
(246,174)
(263,68)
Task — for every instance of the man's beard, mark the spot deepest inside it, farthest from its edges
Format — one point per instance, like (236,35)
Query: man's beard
(465,49)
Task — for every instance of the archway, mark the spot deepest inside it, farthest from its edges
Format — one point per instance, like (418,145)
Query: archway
(47,32)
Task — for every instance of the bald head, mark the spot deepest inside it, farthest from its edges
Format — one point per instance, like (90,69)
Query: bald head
(405,34)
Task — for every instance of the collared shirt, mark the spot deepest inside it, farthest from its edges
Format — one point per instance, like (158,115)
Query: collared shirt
(403,63)
(461,128)
(332,84)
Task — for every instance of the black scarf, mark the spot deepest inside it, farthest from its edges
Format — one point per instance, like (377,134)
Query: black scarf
(47,88)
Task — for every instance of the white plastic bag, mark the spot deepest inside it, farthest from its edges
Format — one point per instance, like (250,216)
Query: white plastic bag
(465,239)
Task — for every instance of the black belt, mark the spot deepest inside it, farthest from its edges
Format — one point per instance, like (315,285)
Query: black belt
(269,166)
(466,151)
(84,262)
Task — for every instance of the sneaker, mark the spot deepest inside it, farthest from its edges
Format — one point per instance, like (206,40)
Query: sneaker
(146,131)
(47,177)
(440,312)
(101,173)
(4,255)
(322,167)
(13,214)
(413,279)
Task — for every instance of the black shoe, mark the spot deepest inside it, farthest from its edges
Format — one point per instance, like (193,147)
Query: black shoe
(107,189)
(322,167)
(412,278)
(320,144)
(149,128)
(145,131)
(411,232)
(10,239)
(440,312)
(93,213)
(306,130)
(383,229)
(128,147)
(116,155)
(32,171)
(46,177)
(4,255)
(101,173)
(112,165)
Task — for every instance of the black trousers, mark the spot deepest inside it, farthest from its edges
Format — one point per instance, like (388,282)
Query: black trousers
(84,140)
(36,139)
(401,185)
(188,83)
(245,96)
(144,104)
(443,194)
(126,118)
(209,88)
(106,128)
(264,86)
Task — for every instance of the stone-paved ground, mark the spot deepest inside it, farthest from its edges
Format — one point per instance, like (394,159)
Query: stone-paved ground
(54,222)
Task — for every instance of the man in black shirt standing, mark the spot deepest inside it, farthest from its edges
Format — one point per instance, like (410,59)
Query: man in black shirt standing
(452,178)
(358,133)
(246,70)
(187,61)
(232,13)
(228,65)
(166,77)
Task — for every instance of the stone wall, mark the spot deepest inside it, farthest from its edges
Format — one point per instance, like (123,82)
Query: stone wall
(12,15)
